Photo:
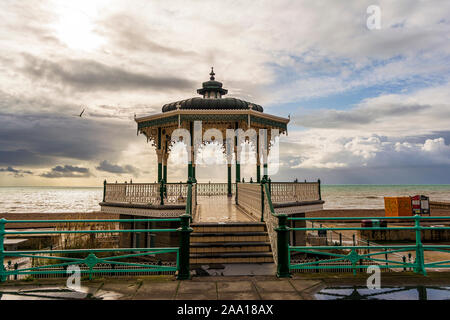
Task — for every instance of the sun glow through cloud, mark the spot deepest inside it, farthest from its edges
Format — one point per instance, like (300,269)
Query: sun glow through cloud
(76,25)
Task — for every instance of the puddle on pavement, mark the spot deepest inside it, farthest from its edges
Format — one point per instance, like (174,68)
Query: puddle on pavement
(386,293)
(55,293)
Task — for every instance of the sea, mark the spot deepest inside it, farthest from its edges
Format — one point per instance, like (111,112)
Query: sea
(80,199)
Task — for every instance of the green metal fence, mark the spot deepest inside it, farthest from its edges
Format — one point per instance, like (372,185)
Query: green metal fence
(354,255)
(93,257)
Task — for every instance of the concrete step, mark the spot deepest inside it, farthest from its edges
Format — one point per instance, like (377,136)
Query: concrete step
(237,257)
(228,247)
(213,227)
(209,237)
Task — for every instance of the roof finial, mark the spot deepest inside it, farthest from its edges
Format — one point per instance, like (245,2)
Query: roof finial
(212,74)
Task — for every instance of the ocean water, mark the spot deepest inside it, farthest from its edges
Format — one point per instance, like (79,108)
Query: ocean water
(362,196)
(70,199)
(49,199)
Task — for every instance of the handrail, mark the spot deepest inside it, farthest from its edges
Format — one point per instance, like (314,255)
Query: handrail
(185,231)
(354,256)
(278,239)
(91,260)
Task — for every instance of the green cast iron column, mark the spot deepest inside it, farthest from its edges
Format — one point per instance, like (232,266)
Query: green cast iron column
(159,153)
(283,247)
(190,169)
(420,260)
(320,191)
(265,170)
(238,180)
(229,180)
(258,161)
(183,258)
(160,171)
(104,190)
(164,160)
(165,172)
(2,256)
(162,191)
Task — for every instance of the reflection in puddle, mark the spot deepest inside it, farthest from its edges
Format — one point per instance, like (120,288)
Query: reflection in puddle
(386,293)
(55,293)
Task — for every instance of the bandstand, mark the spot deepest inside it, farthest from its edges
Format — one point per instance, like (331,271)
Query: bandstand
(232,222)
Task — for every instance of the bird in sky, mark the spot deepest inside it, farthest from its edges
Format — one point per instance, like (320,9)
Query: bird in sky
(81,114)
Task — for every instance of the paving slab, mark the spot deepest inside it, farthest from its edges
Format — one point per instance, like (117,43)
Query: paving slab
(41,293)
(124,289)
(157,291)
(301,285)
(280,296)
(90,288)
(234,286)
(238,296)
(196,287)
(197,296)
(274,286)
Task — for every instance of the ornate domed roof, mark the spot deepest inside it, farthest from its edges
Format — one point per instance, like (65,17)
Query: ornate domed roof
(212,104)
(212,92)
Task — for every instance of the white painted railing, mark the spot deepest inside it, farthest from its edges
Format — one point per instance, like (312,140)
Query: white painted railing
(294,191)
(249,198)
(214,189)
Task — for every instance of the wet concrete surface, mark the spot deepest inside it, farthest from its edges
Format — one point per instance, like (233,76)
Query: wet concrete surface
(219,209)
(258,287)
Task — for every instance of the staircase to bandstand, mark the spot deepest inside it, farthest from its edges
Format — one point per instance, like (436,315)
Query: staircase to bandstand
(226,230)
(231,242)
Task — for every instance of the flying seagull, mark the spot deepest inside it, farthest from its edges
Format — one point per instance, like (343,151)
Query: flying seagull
(81,114)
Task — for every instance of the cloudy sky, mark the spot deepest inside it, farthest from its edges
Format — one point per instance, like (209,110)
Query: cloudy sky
(366,106)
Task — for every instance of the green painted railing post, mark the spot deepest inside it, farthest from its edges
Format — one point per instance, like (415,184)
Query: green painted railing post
(263,181)
(2,255)
(183,260)
(420,260)
(161,191)
(283,247)
(104,190)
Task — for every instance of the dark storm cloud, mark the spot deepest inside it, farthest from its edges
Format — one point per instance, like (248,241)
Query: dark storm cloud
(20,157)
(89,75)
(16,172)
(67,171)
(114,168)
(357,116)
(43,139)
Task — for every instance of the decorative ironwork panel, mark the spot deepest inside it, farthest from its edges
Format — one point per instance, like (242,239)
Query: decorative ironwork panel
(271,223)
(296,191)
(142,193)
(214,189)
(176,193)
(250,198)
